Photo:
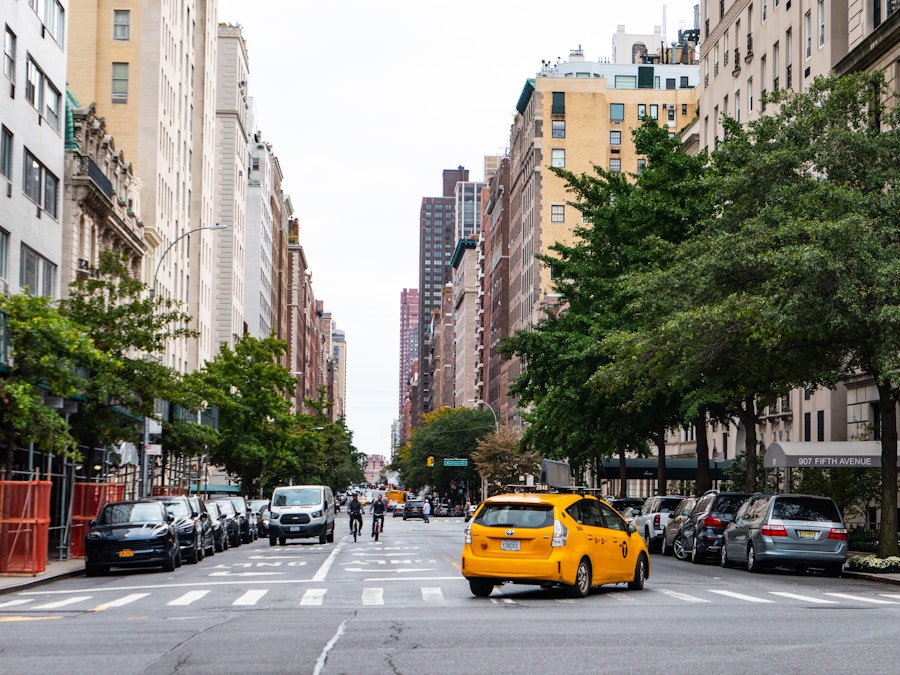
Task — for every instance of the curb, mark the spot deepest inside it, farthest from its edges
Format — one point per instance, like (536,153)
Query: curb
(38,581)
(866,576)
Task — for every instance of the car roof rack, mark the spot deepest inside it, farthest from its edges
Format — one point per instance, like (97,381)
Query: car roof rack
(551,489)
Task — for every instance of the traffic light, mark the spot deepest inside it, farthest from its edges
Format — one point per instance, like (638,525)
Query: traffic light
(430,461)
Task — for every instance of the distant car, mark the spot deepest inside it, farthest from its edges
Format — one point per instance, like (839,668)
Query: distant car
(187,524)
(219,526)
(412,508)
(551,539)
(652,519)
(800,531)
(231,519)
(245,518)
(677,517)
(136,533)
(470,511)
(207,539)
(628,507)
(263,516)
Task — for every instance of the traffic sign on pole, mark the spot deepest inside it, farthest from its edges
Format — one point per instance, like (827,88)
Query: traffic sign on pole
(452,461)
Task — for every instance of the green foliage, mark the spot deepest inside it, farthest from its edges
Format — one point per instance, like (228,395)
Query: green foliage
(851,489)
(500,459)
(872,563)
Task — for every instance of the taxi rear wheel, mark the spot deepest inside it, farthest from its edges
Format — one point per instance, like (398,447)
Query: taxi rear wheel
(582,585)
(481,588)
(640,574)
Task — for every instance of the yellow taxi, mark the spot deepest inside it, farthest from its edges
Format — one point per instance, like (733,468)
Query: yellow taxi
(552,539)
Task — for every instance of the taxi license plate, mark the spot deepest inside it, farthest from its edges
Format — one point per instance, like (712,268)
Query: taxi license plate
(509,545)
(126,553)
(806,534)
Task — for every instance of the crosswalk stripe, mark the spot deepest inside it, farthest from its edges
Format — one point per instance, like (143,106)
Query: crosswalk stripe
(895,596)
(804,598)
(62,603)
(124,600)
(432,594)
(740,596)
(313,597)
(13,603)
(860,598)
(373,596)
(250,597)
(508,601)
(187,598)
(680,596)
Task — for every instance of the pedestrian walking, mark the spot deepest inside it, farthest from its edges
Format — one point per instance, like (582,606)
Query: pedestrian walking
(426,510)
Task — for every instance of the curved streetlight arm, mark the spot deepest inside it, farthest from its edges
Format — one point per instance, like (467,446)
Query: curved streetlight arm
(169,248)
(493,412)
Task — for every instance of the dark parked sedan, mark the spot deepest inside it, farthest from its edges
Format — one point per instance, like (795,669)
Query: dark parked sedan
(131,534)
(231,520)
(187,525)
(219,526)
(204,523)
(413,509)
(700,535)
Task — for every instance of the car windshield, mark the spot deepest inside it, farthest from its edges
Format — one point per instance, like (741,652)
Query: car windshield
(516,515)
(806,508)
(226,508)
(298,497)
(212,509)
(123,514)
(178,508)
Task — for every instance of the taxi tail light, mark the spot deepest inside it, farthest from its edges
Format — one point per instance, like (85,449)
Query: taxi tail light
(560,534)
(773,531)
(468,534)
(839,533)
(711,521)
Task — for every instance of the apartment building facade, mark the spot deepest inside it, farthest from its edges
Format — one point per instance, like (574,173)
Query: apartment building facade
(409,352)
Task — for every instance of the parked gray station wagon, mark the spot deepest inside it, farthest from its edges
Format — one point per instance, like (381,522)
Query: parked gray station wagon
(799,531)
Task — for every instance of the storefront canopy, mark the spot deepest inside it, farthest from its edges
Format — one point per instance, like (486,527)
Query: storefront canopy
(647,468)
(824,455)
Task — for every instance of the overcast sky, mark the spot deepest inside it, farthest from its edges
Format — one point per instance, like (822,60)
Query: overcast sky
(365,103)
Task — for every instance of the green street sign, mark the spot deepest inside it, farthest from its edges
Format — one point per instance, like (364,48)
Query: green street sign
(455,462)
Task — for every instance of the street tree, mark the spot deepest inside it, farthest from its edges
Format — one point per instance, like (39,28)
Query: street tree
(500,459)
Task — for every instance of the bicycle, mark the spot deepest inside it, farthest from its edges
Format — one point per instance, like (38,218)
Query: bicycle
(376,525)
(355,526)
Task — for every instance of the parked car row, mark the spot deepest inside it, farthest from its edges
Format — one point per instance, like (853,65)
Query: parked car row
(757,531)
(166,531)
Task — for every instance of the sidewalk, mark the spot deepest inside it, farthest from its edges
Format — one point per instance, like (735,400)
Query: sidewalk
(56,569)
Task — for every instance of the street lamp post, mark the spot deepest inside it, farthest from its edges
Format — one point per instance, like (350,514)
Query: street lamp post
(479,401)
(144,491)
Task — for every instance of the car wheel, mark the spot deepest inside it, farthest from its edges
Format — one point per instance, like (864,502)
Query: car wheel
(652,546)
(330,537)
(178,560)
(697,556)
(752,563)
(834,570)
(582,585)
(169,565)
(724,560)
(323,538)
(666,549)
(640,574)
(481,588)
(678,546)
(282,541)
(201,552)
(95,570)
(273,541)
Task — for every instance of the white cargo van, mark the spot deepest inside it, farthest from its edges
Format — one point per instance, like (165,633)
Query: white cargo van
(301,511)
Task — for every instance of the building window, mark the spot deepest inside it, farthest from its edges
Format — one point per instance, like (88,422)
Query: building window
(765,9)
(41,186)
(737,106)
(670,113)
(9,55)
(615,165)
(52,101)
(684,82)
(625,82)
(684,108)
(558,128)
(37,273)
(557,213)
(34,83)
(807,427)
(820,425)
(821,19)
(807,34)
(617,111)
(120,83)
(654,111)
(6,153)
(558,158)
(749,95)
(615,138)
(559,103)
(54,19)
(4,254)
(642,111)
(641,163)
(121,24)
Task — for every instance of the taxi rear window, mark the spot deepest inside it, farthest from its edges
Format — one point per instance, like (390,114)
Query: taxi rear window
(515,515)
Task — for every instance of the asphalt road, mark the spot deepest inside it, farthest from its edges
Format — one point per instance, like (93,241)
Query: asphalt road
(401,606)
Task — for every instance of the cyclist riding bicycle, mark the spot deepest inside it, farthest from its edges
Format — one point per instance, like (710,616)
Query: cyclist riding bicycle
(355,511)
(378,509)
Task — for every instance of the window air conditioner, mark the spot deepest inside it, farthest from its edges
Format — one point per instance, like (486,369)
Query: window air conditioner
(83,264)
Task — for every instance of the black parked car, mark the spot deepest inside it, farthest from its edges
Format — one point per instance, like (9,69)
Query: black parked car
(413,509)
(245,517)
(219,526)
(136,533)
(677,518)
(207,539)
(700,535)
(232,520)
(187,524)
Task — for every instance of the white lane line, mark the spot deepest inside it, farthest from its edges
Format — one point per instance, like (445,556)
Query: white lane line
(320,662)
(860,598)
(741,596)
(250,597)
(313,597)
(322,572)
(373,596)
(680,596)
(187,598)
(432,595)
(62,603)
(124,600)
(13,603)
(895,596)
(804,598)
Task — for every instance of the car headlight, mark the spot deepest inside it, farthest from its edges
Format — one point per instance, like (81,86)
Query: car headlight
(274,515)
(186,528)
(318,514)
(94,535)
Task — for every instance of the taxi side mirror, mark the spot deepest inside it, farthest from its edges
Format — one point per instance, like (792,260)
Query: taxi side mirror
(630,529)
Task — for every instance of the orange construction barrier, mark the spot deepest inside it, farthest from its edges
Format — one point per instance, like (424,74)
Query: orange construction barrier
(24,526)
(87,499)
